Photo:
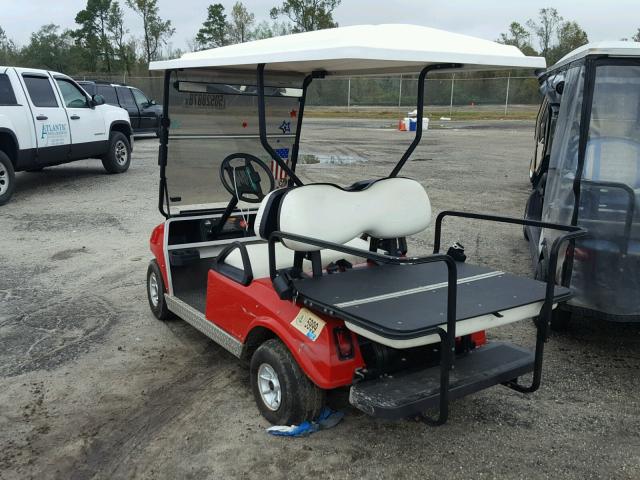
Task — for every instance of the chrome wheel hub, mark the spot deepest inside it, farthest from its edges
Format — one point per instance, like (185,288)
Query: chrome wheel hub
(154,294)
(269,386)
(121,153)
(4,179)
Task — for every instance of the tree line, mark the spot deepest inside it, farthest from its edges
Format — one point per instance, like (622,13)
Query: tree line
(102,42)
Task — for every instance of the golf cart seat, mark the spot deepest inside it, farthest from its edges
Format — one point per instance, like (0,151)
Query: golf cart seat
(266,222)
(259,257)
(398,305)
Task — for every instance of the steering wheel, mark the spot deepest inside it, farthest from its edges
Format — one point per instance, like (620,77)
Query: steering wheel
(242,180)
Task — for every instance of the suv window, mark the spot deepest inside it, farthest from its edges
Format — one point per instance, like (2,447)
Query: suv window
(73,96)
(140,97)
(7,97)
(40,91)
(126,99)
(108,93)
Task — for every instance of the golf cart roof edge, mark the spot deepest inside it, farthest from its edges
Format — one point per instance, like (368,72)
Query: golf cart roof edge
(360,50)
(610,48)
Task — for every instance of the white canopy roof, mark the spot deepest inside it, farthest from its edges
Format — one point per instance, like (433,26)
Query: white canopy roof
(615,49)
(358,50)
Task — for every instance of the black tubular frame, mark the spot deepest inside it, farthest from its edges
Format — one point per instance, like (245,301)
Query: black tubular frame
(544,318)
(164,142)
(447,337)
(303,101)
(420,107)
(263,129)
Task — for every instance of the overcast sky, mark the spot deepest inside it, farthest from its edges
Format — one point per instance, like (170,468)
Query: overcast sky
(610,20)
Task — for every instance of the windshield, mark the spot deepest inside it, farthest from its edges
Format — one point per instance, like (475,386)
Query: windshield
(214,116)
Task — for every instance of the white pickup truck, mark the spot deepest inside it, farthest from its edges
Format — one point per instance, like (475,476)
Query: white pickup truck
(47,119)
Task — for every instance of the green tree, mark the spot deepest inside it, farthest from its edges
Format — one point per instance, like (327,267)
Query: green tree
(51,49)
(117,34)
(213,33)
(155,31)
(240,24)
(570,37)
(8,49)
(518,36)
(307,15)
(93,34)
(546,29)
(274,29)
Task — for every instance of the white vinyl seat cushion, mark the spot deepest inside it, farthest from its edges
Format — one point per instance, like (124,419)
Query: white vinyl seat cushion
(259,257)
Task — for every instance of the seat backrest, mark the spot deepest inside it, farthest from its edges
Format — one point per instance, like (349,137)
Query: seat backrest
(267,217)
(388,208)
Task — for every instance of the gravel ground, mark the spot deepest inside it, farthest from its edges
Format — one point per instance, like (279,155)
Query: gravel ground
(92,386)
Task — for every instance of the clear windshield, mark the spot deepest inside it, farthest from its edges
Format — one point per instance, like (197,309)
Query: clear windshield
(606,267)
(214,116)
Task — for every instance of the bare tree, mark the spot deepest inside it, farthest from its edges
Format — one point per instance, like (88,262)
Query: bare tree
(546,28)
(240,24)
(155,30)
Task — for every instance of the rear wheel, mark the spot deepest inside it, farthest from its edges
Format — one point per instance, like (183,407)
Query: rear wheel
(156,291)
(118,157)
(7,178)
(283,393)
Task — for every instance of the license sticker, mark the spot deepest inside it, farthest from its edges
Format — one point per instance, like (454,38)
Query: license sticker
(309,324)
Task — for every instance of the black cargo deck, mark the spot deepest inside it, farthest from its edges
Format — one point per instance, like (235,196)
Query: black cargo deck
(407,301)
(413,392)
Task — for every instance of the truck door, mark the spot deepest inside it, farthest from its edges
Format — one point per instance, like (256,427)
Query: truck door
(88,130)
(53,137)
(148,116)
(129,104)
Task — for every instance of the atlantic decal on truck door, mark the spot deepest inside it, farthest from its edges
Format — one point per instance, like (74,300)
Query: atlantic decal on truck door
(53,134)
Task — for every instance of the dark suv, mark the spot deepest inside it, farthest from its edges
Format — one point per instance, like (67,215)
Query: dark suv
(144,113)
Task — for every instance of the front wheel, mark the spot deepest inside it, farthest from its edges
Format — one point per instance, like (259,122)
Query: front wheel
(283,393)
(7,178)
(156,291)
(118,157)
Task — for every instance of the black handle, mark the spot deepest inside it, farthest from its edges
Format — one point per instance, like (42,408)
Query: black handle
(42,117)
(74,117)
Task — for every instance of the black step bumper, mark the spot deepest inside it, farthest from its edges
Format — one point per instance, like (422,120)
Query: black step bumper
(410,393)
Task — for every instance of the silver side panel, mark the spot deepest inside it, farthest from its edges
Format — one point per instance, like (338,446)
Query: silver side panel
(197,320)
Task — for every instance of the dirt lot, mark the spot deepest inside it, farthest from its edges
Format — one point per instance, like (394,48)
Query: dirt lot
(92,386)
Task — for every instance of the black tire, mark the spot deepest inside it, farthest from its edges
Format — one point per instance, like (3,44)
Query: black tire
(300,399)
(118,157)
(7,178)
(157,302)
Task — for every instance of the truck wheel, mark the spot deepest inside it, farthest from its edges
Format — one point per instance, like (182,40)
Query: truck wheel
(118,157)
(7,178)
(156,291)
(283,393)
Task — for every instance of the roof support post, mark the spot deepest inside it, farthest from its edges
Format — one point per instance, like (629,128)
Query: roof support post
(303,100)
(420,108)
(163,195)
(263,129)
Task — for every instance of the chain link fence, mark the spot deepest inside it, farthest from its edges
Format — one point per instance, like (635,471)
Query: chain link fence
(500,94)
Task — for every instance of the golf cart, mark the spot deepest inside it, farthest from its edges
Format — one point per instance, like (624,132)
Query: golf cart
(586,172)
(312,283)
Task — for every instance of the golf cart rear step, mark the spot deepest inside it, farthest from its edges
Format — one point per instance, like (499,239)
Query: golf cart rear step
(411,393)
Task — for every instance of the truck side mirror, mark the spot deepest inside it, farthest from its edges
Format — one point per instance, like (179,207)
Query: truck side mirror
(97,100)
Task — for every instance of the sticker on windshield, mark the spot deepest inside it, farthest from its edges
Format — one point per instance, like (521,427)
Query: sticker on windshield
(309,324)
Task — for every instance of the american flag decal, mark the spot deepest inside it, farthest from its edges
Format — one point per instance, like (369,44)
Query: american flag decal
(278,173)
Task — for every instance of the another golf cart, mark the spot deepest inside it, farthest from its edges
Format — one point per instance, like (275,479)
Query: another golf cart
(586,172)
(312,283)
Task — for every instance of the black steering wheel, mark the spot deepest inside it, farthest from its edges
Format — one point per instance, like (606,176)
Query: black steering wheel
(242,180)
